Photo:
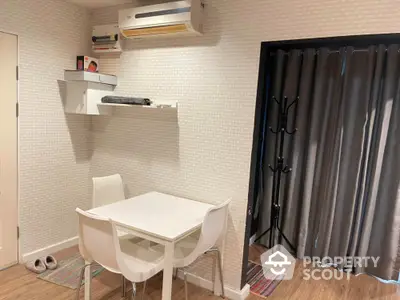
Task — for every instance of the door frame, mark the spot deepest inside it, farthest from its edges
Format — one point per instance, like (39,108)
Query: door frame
(19,257)
(260,115)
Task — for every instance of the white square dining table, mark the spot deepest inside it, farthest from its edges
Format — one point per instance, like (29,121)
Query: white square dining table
(157,217)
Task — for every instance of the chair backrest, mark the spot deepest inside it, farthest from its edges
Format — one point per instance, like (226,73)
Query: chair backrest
(213,227)
(107,190)
(96,240)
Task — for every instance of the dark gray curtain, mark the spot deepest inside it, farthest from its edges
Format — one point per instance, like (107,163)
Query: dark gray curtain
(342,196)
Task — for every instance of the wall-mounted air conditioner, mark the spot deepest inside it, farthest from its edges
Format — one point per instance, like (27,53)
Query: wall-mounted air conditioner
(180,17)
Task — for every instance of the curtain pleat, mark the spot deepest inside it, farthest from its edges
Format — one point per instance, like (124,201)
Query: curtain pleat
(342,196)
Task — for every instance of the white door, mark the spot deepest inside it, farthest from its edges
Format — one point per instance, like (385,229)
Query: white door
(8,150)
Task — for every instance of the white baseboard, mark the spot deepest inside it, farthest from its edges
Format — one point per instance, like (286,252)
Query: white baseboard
(243,293)
(230,293)
(8,265)
(49,250)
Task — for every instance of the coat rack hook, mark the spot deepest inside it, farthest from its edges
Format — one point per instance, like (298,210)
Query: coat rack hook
(270,128)
(291,104)
(291,132)
(276,100)
(287,170)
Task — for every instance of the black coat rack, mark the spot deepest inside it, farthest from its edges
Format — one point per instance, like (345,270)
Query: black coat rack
(279,169)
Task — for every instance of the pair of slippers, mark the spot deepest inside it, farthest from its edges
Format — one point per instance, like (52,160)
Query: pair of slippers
(40,265)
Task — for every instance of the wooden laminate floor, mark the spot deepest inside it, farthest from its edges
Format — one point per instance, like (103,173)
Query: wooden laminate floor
(16,283)
(358,287)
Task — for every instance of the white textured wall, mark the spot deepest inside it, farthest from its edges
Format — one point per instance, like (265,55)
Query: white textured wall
(54,148)
(204,152)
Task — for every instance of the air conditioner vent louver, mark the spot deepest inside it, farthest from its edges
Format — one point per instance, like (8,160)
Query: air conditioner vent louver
(159,30)
(163,12)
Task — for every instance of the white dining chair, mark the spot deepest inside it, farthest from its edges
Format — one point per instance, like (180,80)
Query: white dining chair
(107,190)
(203,242)
(99,242)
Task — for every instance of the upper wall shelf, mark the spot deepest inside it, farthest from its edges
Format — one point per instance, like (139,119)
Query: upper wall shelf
(98,3)
(106,39)
(108,51)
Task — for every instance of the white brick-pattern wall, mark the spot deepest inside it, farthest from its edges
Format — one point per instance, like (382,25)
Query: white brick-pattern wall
(204,152)
(54,148)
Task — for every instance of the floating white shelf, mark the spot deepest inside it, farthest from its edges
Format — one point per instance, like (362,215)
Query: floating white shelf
(106,39)
(108,51)
(157,106)
(76,75)
(85,90)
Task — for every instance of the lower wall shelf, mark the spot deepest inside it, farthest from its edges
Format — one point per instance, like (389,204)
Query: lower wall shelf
(154,106)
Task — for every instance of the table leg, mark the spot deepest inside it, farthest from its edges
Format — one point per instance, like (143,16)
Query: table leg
(88,281)
(168,271)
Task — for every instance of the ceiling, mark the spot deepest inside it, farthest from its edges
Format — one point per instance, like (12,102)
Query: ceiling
(98,3)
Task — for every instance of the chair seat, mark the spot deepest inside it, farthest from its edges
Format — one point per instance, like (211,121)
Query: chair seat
(186,246)
(182,248)
(143,259)
(125,235)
